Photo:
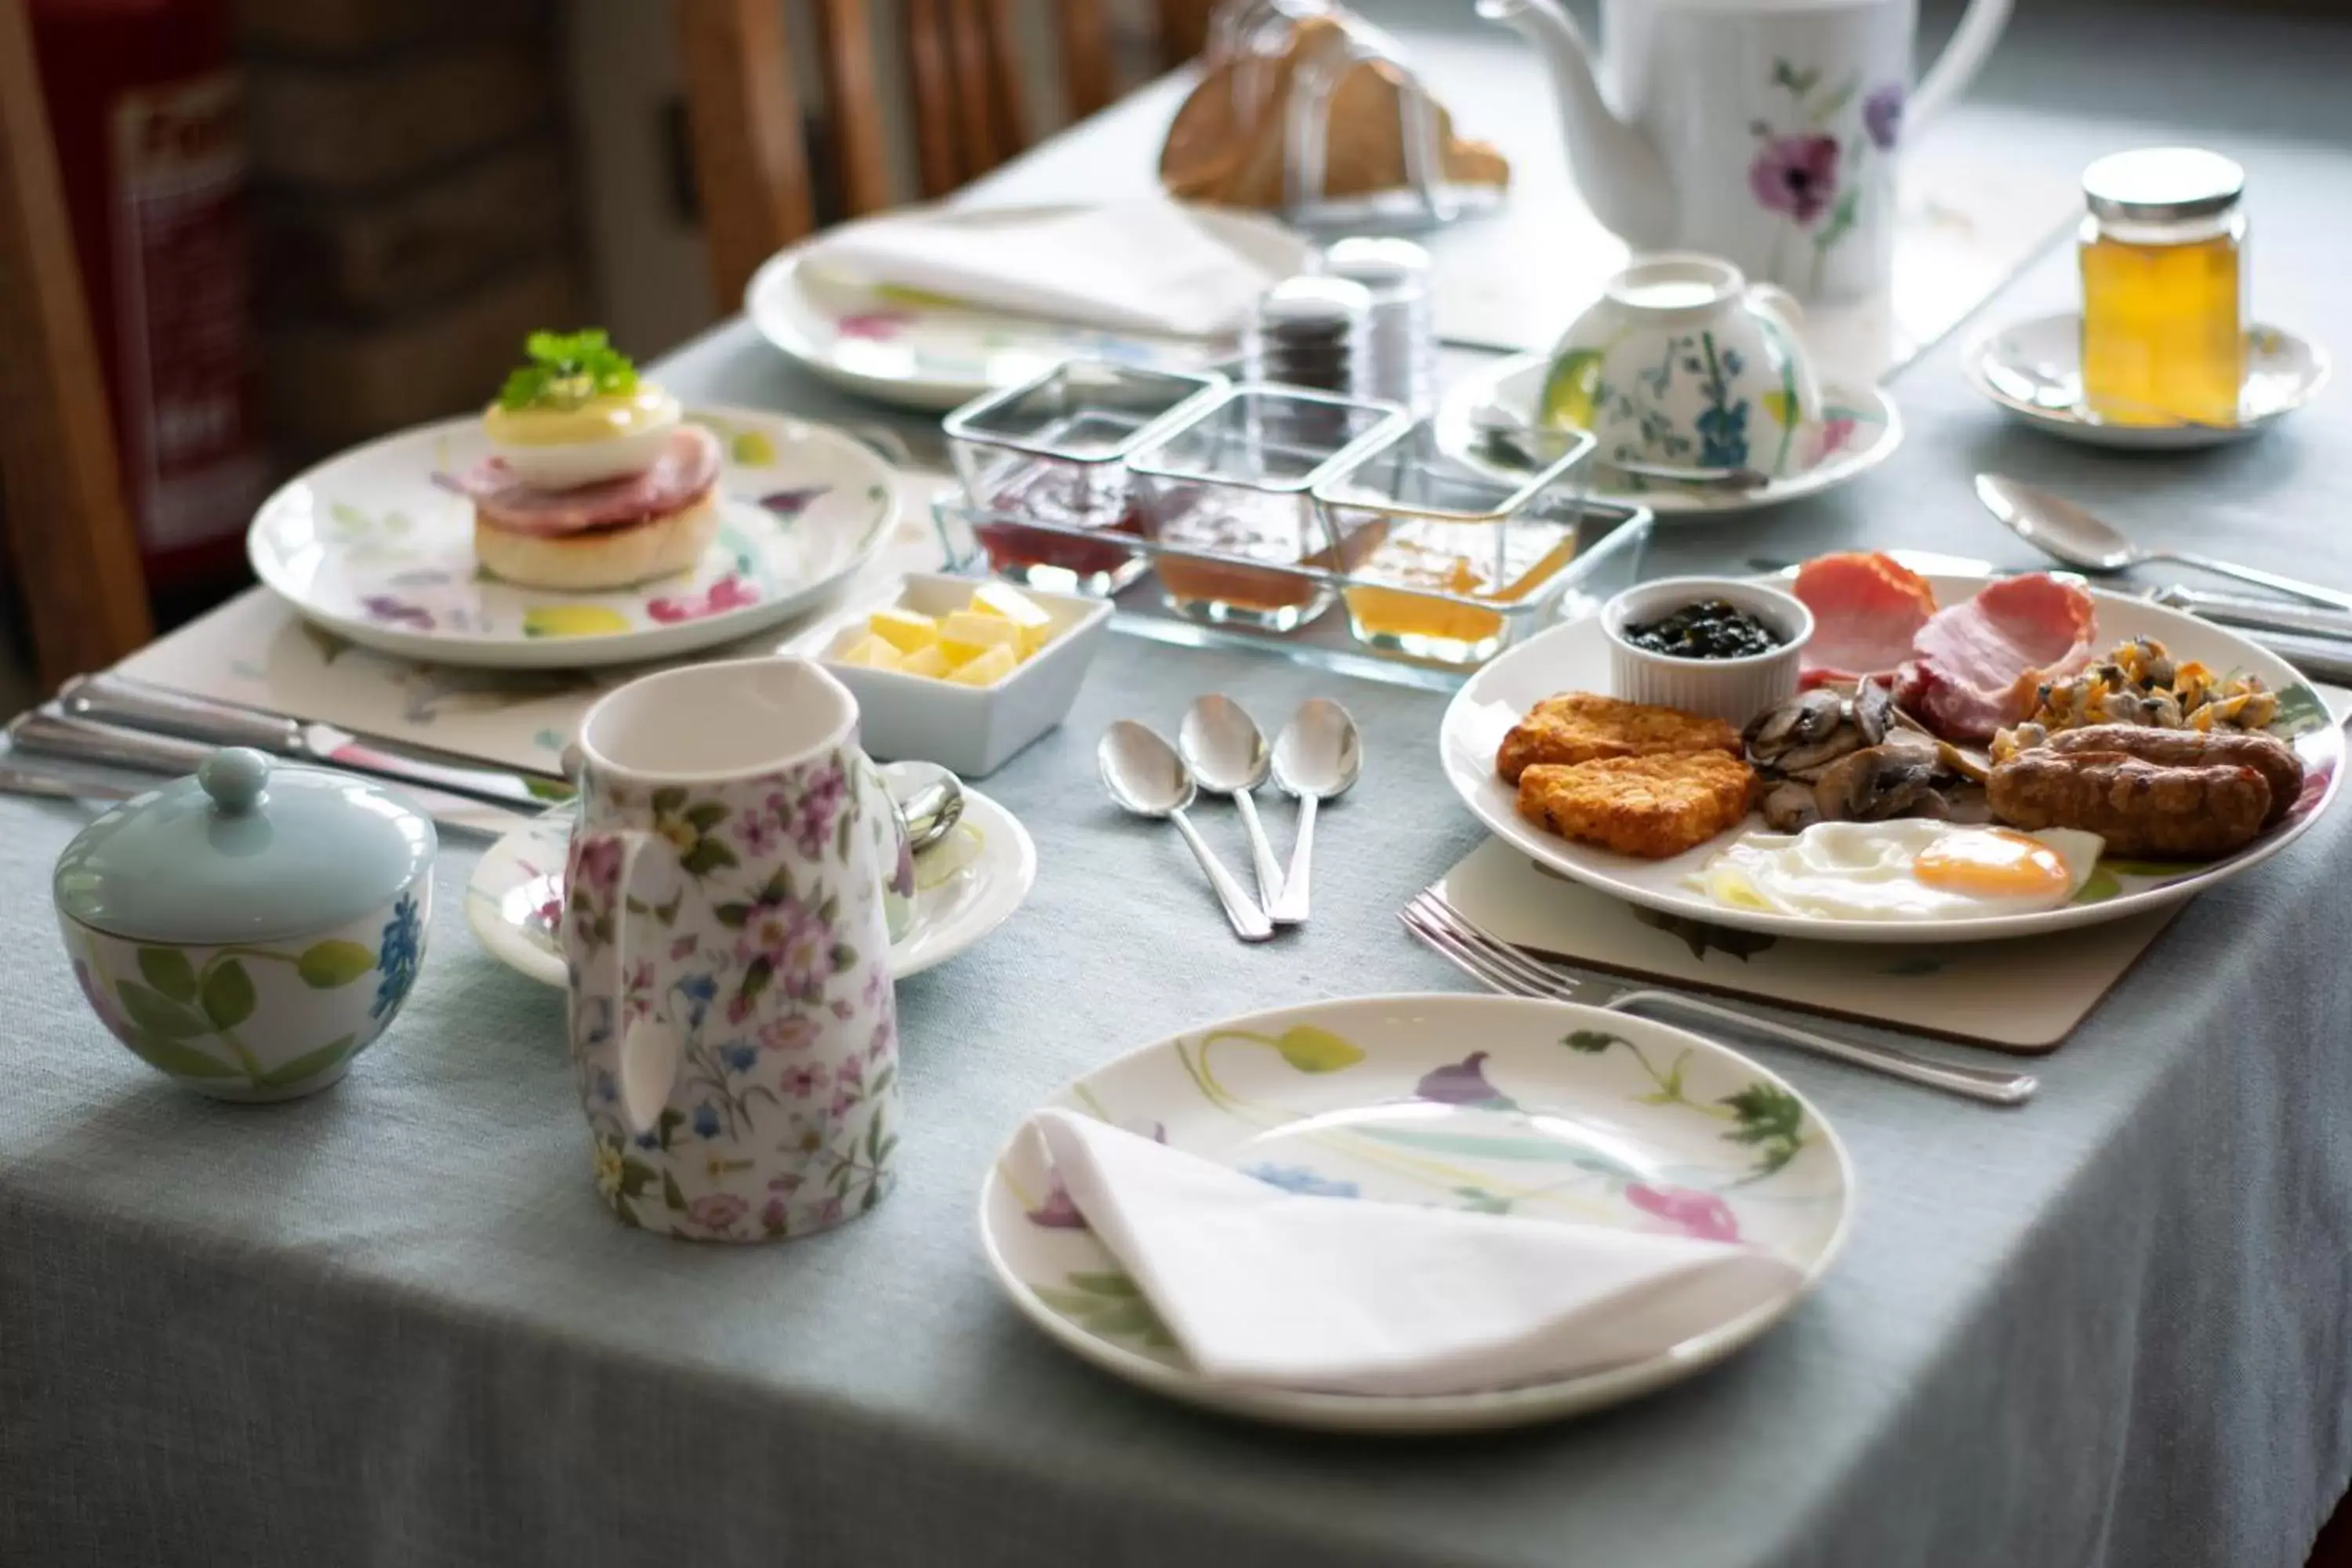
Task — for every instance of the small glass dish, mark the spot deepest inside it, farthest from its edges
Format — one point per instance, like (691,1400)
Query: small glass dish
(1447,549)
(1228,498)
(1054,449)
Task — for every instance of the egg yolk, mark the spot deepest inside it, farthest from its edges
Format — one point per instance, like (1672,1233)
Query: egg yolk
(1993,862)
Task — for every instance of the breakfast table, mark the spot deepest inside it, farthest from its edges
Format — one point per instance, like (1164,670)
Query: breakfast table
(393,1323)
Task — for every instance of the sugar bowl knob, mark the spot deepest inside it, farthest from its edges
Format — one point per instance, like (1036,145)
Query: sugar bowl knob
(235,777)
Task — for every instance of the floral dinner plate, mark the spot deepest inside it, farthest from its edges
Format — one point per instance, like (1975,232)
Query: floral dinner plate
(1575,657)
(964,888)
(918,351)
(1536,1109)
(375,545)
(1861,430)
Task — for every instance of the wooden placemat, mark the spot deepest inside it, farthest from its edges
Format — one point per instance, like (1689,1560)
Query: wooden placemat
(2023,997)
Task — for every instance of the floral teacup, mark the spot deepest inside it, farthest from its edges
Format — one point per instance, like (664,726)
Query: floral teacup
(726,938)
(1683,368)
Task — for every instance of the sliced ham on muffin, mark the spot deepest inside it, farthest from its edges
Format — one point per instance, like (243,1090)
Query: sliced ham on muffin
(611,534)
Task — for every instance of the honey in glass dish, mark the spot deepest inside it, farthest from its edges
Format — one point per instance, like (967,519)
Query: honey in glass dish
(2162,255)
(1396,600)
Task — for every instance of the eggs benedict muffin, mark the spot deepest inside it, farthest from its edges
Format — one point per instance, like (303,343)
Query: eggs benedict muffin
(595,480)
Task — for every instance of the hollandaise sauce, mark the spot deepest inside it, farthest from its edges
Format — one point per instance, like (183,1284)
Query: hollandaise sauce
(643,407)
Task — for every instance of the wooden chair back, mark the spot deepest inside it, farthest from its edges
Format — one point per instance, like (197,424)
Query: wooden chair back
(72,551)
(964,87)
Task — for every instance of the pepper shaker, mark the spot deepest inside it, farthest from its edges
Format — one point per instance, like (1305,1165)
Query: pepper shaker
(1400,358)
(1312,331)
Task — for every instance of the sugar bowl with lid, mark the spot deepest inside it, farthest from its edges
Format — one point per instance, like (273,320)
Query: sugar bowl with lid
(250,931)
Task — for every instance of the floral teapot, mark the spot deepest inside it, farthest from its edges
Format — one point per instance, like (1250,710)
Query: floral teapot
(1763,131)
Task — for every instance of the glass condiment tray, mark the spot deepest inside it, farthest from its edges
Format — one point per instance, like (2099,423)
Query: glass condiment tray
(1611,540)
(1440,565)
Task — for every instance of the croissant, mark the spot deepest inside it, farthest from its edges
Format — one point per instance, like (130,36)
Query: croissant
(1226,143)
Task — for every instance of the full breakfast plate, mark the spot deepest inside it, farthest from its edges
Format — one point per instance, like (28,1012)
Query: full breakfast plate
(1909,877)
(964,888)
(1563,1113)
(377,544)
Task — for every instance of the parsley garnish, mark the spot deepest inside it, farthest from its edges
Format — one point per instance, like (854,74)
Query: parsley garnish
(567,370)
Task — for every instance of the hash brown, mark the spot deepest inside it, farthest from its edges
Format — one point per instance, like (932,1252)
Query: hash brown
(1654,806)
(1583,727)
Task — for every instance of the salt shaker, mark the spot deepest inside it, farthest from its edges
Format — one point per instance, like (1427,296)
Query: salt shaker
(1312,331)
(1401,361)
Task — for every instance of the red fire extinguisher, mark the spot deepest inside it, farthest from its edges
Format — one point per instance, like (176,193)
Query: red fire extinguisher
(142,101)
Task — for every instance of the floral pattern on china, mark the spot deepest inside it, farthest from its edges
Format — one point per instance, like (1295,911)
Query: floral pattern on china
(375,546)
(1787,174)
(758,993)
(733,1025)
(1557,1113)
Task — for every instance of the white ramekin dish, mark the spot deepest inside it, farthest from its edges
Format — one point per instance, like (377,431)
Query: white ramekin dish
(1733,689)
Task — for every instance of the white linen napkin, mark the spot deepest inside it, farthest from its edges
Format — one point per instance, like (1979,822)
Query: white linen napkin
(1134,266)
(1264,1287)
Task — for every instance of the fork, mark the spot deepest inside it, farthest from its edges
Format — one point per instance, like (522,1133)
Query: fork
(1512,971)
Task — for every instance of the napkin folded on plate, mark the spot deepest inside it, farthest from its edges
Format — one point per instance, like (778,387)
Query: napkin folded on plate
(1128,266)
(1340,1295)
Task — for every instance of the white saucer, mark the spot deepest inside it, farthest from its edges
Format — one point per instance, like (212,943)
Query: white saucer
(1864,432)
(2035,370)
(964,888)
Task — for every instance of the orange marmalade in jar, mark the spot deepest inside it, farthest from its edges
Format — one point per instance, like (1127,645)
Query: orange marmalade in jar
(2163,287)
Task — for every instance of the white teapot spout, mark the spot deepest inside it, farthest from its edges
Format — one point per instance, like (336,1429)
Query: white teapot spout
(1620,172)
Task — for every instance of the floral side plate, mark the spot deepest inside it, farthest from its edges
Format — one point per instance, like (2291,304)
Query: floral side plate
(965,887)
(918,351)
(1575,657)
(1861,430)
(2033,369)
(1536,1109)
(373,545)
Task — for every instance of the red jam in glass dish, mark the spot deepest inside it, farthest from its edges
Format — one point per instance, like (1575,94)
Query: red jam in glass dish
(1093,497)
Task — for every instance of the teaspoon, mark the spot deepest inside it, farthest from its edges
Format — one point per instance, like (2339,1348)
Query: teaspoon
(1226,752)
(930,800)
(1145,775)
(2065,531)
(1317,757)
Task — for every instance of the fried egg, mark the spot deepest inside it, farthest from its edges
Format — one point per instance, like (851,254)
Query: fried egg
(1910,870)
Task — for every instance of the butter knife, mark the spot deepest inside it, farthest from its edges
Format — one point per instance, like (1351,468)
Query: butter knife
(141,705)
(47,731)
(2265,615)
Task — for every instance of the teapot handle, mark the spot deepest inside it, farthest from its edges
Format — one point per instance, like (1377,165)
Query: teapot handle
(1956,67)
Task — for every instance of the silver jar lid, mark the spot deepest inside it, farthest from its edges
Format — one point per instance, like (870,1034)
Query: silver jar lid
(2162,185)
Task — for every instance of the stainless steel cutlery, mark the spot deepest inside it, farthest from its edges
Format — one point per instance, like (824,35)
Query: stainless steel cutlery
(136,704)
(1516,972)
(47,731)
